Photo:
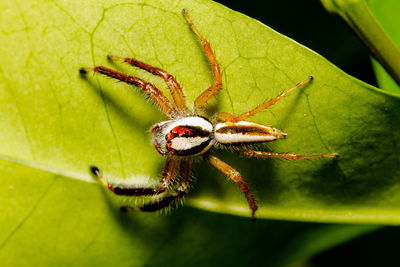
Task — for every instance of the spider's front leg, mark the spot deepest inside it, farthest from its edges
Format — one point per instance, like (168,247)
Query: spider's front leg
(149,89)
(168,175)
(185,170)
(202,99)
(236,177)
(173,85)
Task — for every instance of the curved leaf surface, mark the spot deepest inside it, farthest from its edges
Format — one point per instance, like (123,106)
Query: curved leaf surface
(53,117)
(54,124)
(66,222)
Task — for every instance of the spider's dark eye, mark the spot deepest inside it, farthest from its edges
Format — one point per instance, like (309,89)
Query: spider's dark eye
(186,132)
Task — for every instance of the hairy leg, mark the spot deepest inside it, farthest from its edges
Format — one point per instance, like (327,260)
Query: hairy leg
(202,99)
(223,116)
(267,154)
(185,170)
(168,175)
(235,176)
(173,85)
(149,89)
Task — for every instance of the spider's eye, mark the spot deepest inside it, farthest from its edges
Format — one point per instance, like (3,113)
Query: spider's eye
(181,131)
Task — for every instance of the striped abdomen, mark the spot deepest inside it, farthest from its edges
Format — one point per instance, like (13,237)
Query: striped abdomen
(245,132)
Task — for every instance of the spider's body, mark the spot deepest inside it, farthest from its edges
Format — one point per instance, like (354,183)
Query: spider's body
(245,132)
(188,134)
(195,135)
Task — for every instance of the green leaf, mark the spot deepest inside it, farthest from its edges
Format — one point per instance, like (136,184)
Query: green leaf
(54,124)
(54,117)
(70,223)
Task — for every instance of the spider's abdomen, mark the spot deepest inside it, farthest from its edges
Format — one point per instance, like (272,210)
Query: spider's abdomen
(245,132)
(187,136)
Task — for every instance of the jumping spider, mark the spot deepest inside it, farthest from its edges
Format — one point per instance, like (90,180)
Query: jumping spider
(188,134)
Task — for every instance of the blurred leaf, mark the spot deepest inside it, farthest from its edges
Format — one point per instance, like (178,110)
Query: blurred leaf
(358,15)
(387,15)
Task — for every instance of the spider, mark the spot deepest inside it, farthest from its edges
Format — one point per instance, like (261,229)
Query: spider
(189,134)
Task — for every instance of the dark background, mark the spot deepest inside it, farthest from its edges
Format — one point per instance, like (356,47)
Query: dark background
(308,23)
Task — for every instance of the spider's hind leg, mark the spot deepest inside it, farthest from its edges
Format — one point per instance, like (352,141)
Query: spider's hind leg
(169,198)
(236,177)
(267,154)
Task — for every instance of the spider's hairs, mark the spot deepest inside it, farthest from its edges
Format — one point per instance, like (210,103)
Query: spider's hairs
(138,201)
(153,79)
(128,88)
(237,148)
(261,146)
(174,186)
(156,80)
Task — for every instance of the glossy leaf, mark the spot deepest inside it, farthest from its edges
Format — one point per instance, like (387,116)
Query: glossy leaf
(54,117)
(66,222)
(54,123)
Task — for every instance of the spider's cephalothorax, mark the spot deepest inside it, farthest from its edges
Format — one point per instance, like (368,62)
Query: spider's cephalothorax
(188,134)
